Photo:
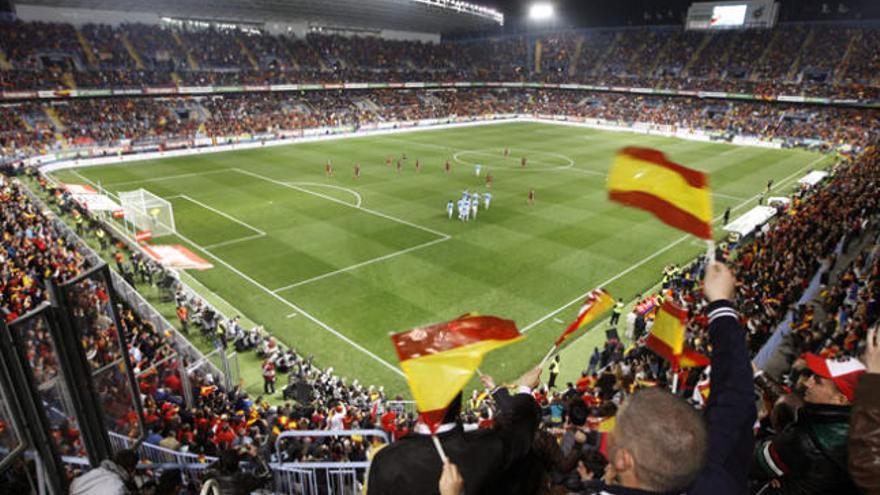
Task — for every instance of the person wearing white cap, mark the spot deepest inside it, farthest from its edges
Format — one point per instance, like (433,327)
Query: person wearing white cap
(810,455)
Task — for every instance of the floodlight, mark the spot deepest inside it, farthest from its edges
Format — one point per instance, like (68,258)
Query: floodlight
(541,11)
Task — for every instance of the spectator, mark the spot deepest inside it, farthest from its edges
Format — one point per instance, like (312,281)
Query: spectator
(864,437)
(810,455)
(413,465)
(110,478)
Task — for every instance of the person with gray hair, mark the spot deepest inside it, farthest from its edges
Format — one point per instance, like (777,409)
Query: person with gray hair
(660,444)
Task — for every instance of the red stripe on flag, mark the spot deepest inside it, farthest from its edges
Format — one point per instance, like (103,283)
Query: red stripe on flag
(693,177)
(674,310)
(665,211)
(442,337)
(660,348)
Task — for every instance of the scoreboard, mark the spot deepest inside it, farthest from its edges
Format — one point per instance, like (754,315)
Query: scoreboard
(745,14)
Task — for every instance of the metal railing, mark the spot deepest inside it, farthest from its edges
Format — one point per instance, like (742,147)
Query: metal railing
(323,478)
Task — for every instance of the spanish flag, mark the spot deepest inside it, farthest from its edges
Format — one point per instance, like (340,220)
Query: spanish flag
(439,359)
(597,302)
(667,338)
(680,197)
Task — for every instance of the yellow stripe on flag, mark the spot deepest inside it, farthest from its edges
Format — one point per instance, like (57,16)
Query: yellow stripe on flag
(679,196)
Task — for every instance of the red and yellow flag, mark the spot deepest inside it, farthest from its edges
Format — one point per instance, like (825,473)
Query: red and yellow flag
(439,359)
(597,302)
(680,197)
(667,338)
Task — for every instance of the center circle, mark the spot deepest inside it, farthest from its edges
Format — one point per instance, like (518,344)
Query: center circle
(494,157)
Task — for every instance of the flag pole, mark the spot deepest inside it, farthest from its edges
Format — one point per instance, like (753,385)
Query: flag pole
(547,356)
(439,448)
(710,250)
(674,381)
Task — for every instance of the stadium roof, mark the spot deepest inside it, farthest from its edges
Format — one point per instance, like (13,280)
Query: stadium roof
(434,16)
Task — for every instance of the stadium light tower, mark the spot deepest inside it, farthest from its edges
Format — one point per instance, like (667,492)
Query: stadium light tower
(541,12)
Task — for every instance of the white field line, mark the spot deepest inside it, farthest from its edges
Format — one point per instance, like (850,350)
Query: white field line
(234,241)
(361,264)
(167,177)
(359,199)
(728,196)
(290,304)
(222,214)
(662,250)
(344,203)
(83,177)
(295,307)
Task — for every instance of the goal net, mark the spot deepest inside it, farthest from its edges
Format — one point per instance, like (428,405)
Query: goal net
(146,211)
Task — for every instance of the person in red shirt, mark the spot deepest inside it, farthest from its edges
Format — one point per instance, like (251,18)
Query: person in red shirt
(531,196)
(357,170)
(522,163)
(418,165)
(328,169)
(447,167)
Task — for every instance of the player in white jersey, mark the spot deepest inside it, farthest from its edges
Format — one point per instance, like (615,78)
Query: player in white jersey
(477,168)
(450,209)
(487,198)
(461,209)
(475,205)
(467,209)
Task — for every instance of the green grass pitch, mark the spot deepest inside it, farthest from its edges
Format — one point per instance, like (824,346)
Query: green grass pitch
(331,266)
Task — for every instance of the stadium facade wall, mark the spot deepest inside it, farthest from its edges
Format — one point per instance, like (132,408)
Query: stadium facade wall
(115,155)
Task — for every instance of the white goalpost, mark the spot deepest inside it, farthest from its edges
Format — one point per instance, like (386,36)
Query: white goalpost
(146,211)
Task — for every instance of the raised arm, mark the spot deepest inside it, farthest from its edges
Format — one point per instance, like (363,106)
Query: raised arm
(730,411)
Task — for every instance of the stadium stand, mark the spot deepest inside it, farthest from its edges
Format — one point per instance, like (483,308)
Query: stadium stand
(826,242)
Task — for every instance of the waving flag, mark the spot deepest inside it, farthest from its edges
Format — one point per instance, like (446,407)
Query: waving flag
(680,197)
(439,359)
(667,338)
(597,302)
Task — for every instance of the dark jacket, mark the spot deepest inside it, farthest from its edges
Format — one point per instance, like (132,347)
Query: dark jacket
(864,435)
(808,457)
(484,457)
(730,412)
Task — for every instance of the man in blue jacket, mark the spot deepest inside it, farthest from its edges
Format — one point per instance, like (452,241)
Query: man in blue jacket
(660,445)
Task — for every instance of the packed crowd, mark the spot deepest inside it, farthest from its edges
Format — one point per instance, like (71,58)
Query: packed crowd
(815,432)
(794,59)
(127,122)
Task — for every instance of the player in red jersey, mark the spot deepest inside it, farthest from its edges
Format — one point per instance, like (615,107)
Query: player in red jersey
(399,166)
(418,165)
(388,161)
(328,169)
(506,152)
(357,170)
(531,196)
(522,162)
(447,167)
(488,180)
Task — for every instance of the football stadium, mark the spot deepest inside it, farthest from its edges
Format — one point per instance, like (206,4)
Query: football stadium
(433,246)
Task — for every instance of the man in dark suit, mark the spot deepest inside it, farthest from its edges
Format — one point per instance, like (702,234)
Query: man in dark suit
(413,465)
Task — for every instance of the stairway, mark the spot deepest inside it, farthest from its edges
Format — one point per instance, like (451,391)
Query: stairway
(608,51)
(54,118)
(87,48)
(755,74)
(138,61)
(190,60)
(840,70)
(696,56)
(572,65)
(69,80)
(248,54)
(4,62)
(791,75)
